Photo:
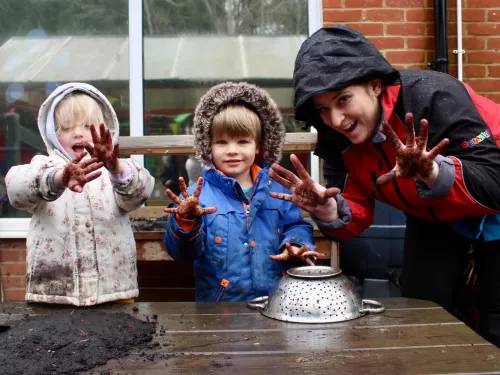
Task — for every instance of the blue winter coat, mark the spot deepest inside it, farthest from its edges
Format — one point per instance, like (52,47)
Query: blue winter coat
(234,244)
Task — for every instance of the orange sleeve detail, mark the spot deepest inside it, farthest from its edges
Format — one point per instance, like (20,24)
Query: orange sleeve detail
(185,224)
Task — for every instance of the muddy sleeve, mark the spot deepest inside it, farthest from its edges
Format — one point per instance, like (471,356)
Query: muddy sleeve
(132,195)
(182,244)
(356,209)
(29,185)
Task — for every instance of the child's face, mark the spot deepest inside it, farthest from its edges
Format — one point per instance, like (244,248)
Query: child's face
(354,111)
(234,155)
(73,138)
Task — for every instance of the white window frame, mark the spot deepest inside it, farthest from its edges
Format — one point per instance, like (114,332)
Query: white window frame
(18,227)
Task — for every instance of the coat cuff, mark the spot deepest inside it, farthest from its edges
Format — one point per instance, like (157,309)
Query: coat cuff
(444,182)
(53,191)
(123,178)
(345,216)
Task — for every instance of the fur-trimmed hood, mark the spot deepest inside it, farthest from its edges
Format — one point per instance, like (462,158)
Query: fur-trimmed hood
(273,129)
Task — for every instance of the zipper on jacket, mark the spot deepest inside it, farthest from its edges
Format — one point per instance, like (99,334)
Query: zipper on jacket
(377,187)
(433,214)
(395,183)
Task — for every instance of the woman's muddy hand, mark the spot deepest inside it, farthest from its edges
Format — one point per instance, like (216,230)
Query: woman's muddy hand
(412,158)
(77,173)
(103,148)
(306,193)
(189,207)
(295,253)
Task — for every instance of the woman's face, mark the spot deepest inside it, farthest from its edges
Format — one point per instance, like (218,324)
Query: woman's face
(354,111)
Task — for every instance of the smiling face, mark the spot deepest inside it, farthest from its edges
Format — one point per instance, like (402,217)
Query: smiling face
(234,155)
(354,111)
(73,117)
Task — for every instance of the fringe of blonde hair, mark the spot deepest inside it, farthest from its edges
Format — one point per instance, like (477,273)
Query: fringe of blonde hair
(78,109)
(235,120)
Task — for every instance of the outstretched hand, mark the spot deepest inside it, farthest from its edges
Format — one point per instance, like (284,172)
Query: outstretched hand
(77,173)
(306,193)
(413,159)
(103,148)
(295,253)
(189,208)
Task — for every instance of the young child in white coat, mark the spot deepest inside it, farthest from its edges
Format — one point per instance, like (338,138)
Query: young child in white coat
(80,246)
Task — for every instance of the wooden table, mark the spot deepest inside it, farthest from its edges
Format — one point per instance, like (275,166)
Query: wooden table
(410,337)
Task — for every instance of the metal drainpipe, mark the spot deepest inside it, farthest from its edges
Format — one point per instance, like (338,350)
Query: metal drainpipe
(441,37)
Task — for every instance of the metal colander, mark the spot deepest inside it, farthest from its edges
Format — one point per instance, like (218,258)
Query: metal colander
(314,294)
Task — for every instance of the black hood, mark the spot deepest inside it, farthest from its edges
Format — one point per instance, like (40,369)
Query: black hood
(332,59)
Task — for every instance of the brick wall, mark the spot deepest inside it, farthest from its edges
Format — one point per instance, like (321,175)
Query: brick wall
(404,31)
(12,269)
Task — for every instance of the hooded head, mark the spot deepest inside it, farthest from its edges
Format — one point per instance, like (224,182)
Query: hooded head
(49,118)
(332,59)
(272,134)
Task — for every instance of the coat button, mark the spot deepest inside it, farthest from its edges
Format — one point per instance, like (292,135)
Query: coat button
(92,299)
(218,239)
(88,224)
(252,243)
(245,244)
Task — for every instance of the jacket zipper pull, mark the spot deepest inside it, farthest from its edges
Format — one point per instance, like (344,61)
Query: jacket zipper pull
(223,285)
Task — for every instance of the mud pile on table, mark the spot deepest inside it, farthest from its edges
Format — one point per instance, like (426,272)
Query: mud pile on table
(70,342)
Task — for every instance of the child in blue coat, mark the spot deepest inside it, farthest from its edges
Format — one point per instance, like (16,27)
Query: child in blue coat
(227,223)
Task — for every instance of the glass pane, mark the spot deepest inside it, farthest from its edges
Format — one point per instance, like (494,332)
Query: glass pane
(47,43)
(192,45)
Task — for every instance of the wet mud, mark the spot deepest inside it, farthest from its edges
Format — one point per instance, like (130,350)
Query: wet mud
(70,342)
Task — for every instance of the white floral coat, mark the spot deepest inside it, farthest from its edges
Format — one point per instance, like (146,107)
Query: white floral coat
(80,246)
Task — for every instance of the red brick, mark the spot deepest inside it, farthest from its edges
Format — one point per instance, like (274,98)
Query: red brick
(411,28)
(485,84)
(405,3)
(473,43)
(494,15)
(385,42)
(473,15)
(452,70)
(494,71)
(11,282)
(429,29)
(342,15)
(451,28)
(493,96)
(368,29)
(483,28)
(14,294)
(482,57)
(474,71)
(11,269)
(482,3)
(426,14)
(452,5)
(493,43)
(12,256)
(384,15)
(332,4)
(420,42)
(363,4)
(12,244)
(405,56)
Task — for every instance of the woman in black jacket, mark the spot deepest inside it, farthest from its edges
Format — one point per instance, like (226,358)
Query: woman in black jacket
(367,114)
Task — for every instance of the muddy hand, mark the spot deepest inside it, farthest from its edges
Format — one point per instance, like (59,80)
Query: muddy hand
(77,172)
(295,253)
(188,208)
(412,159)
(306,193)
(103,148)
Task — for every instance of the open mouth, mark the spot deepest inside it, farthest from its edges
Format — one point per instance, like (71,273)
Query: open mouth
(78,148)
(351,127)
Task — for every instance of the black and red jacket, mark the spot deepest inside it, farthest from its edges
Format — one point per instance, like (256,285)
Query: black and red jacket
(336,57)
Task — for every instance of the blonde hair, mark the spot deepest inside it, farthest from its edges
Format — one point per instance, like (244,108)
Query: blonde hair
(78,109)
(234,120)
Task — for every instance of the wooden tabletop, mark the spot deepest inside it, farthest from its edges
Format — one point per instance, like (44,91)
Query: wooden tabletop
(410,337)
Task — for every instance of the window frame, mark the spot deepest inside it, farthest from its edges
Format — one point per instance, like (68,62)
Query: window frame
(18,227)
